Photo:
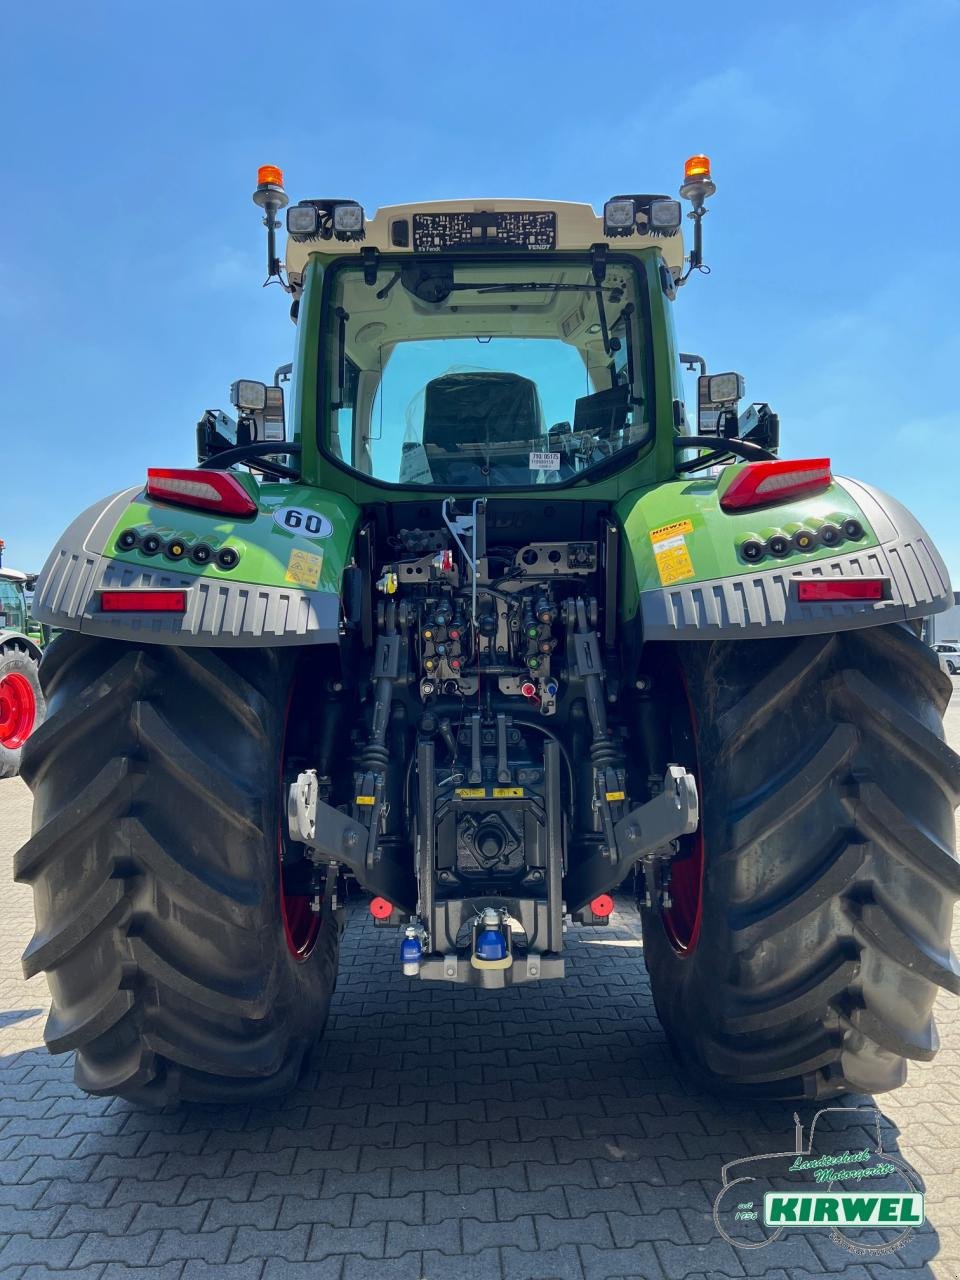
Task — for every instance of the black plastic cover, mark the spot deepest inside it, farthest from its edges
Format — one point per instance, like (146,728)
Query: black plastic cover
(481,408)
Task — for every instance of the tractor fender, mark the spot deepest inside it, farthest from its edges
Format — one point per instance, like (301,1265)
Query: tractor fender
(761,601)
(221,611)
(24,642)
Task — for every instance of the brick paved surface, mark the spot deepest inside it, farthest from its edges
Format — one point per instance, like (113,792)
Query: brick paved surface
(541,1132)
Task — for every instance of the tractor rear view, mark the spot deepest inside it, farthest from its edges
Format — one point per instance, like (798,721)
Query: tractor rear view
(475,618)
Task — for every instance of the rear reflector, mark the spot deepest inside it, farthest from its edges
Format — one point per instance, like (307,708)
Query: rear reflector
(209,490)
(814,589)
(143,601)
(759,484)
(602,906)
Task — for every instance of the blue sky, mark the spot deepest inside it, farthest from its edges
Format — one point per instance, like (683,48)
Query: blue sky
(131,262)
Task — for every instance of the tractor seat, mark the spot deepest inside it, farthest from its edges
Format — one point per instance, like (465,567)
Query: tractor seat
(473,418)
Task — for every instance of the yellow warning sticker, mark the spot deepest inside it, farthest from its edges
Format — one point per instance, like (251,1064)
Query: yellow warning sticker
(615,795)
(304,568)
(494,793)
(668,530)
(671,553)
(364,800)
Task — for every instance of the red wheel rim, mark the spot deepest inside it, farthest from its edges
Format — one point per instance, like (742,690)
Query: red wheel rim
(301,924)
(681,920)
(18,710)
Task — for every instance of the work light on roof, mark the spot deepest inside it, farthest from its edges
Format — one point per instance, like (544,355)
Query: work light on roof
(649,215)
(619,216)
(325,219)
(348,220)
(303,221)
(664,216)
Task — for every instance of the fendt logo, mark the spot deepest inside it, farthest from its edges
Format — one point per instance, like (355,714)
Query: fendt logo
(822,1209)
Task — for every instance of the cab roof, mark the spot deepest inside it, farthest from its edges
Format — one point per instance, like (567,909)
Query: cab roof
(577,226)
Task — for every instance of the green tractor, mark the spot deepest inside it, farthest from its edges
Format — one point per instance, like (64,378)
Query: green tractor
(475,620)
(21,700)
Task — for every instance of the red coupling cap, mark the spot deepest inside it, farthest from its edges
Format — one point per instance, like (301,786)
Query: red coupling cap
(528,690)
(602,905)
(380,908)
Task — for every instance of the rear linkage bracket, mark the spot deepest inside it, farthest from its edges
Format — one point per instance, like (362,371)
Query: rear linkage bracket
(334,837)
(646,835)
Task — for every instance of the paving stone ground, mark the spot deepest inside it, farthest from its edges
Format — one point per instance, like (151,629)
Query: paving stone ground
(538,1134)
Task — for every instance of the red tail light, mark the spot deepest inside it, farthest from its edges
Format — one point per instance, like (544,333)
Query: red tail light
(143,601)
(839,589)
(760,484)
(209,490)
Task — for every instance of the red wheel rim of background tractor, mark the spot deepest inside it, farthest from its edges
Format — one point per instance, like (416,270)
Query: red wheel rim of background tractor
(18,710)
(301,924)
(681,920)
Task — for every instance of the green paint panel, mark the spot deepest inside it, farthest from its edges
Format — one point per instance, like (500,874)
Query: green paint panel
(714,537)
(265,548)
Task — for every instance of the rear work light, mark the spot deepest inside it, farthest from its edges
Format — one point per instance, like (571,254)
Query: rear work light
(810,590)
(760,484)
(143,601)
(209,490)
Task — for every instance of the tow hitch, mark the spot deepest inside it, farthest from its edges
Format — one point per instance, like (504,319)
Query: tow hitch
(509,939)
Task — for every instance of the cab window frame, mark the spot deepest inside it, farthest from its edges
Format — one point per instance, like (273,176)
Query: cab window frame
(645,357)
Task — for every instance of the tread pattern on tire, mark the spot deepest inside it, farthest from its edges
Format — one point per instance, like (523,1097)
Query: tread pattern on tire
(830,866)
(153,862)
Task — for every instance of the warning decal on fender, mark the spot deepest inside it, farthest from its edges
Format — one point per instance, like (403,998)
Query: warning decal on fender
(671,553)
(303,568)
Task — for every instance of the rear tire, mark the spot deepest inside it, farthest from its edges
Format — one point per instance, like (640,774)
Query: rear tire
(829,866)
(156,875)
(22,705)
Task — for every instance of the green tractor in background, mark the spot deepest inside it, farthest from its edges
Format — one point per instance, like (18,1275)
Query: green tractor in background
(21,638)
(476,620)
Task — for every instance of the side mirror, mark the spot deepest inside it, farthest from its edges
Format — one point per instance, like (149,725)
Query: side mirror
(718,395)
(274,420)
